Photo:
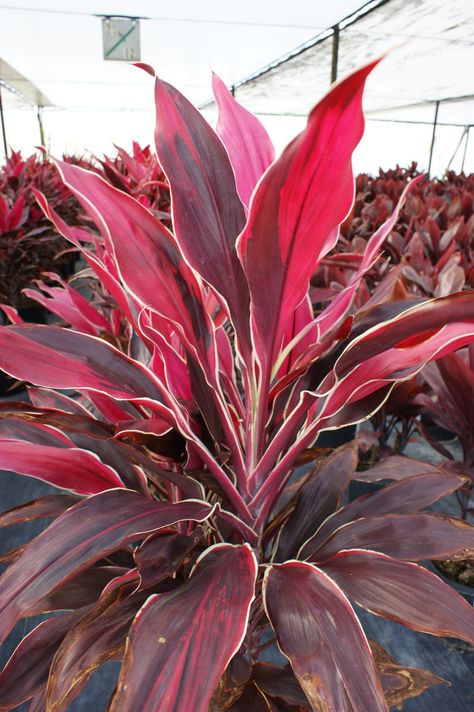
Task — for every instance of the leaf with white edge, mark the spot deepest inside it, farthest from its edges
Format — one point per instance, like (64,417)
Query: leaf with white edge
(321,636)
(198,627)
(85,533)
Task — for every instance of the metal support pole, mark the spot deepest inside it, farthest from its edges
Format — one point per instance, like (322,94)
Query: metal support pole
(465,149)
(466,129)
(335,53)
(435,123)
(2,121)
(39,114)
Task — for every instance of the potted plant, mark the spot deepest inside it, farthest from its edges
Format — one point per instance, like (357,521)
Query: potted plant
(191,548)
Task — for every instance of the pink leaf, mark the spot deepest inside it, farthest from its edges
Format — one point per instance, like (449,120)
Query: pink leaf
(69,468)
(246,140)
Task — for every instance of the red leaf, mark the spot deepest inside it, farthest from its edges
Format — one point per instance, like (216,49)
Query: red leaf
(61,358)
(320,634)
(296,209)
(418,319)
(70,468)
(404,592)
(246,140)
(198,627)
(83,534)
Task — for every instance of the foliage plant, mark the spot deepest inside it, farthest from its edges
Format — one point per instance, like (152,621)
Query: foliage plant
(29,244)
(139,174)
(199,525)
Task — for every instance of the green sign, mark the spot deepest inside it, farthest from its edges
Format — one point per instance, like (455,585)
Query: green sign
(121,39)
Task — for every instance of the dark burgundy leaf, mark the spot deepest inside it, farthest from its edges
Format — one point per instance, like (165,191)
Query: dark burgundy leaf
(279,682)
(399,682)
(161,555)
(404,497)
(397,467)
(404,592)
(50,505)
(319,497)
(253,699)
(26,673)
(410,537)
(207,213)
(320,634)
(81,590)
(198,627)
(83,534)
(99,636)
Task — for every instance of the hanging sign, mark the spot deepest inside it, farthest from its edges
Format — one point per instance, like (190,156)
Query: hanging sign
(121,39)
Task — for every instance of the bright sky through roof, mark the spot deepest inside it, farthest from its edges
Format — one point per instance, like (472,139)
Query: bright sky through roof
(58,47)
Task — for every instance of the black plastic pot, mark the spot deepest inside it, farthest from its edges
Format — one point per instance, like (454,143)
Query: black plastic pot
(336,438)
(436,431)
(35,314)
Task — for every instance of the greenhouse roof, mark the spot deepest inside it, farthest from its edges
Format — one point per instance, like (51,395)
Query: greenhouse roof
(278,56)
(18,90)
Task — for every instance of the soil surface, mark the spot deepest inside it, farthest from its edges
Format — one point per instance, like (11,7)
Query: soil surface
(459,571)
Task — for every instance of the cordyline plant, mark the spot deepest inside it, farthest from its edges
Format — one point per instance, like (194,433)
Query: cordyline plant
(449,403)
(190,539)
(139,174)
(28,242)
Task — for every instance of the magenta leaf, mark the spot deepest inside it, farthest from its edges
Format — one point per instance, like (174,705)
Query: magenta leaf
(402,591)
(176,632)
(83,534)
(146,254)
(296,210)
(246,140)
(321,636)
